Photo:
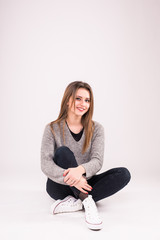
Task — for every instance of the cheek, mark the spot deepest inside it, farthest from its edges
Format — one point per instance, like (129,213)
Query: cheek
(76,103)
(87,108)
(88,105)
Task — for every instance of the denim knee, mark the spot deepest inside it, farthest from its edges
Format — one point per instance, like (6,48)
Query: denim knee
(126,174)
(65,158)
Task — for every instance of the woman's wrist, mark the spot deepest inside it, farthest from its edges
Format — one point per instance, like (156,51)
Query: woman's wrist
(82,169)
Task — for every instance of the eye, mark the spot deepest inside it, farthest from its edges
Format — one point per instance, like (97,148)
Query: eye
(87,100)
(78,98)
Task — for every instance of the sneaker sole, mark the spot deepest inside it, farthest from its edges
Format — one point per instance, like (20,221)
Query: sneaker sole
(56,204)
(95,226)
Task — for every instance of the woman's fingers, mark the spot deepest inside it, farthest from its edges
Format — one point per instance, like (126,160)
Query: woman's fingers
(70,181)
(87,187)
(66,172)
(76,181)
(72,175)
(73,183)
(66,179)
(81,185)
(82,190)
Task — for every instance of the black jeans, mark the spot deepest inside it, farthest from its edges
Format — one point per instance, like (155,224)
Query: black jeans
(104,184)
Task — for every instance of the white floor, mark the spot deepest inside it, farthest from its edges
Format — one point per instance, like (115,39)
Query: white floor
(132,213)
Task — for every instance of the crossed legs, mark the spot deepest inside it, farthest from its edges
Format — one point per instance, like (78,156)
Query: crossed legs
(104,184)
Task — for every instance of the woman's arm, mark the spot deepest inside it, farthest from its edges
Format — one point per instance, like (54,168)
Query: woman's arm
(72,175)
(48,167)
(97,152)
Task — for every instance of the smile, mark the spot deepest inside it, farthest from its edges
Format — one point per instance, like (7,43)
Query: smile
(81,109)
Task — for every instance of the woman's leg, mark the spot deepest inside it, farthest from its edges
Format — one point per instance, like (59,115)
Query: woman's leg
(64,158)
(109,182)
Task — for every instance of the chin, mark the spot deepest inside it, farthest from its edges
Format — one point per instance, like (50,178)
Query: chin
(80,114)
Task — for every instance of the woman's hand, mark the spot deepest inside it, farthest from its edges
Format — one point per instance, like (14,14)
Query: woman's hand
(73,175)
(83,186)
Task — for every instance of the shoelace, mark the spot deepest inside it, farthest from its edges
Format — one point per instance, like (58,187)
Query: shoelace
(70,202)
(91,210)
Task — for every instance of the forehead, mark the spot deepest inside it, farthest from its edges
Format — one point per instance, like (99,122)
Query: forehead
(83,93)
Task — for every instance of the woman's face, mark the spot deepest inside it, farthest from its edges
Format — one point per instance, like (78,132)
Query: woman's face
(82,102)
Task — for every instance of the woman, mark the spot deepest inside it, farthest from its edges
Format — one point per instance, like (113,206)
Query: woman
(72,153)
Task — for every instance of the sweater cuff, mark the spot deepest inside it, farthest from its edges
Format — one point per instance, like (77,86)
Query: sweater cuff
(87,173)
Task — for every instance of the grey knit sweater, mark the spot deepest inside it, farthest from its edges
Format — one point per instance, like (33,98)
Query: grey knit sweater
(91,160)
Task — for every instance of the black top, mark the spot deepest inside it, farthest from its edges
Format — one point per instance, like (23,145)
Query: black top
(76,136)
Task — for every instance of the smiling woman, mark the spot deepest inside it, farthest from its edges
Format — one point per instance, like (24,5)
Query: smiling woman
(77,108)
(72,153)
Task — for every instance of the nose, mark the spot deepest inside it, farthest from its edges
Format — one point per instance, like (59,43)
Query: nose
(83,102)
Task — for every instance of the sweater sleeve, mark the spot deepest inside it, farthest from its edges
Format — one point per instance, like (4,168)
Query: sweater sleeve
(97,152)
(48,166)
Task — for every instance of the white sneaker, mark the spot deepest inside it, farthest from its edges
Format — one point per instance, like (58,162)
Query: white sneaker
(93,220)
(68,204)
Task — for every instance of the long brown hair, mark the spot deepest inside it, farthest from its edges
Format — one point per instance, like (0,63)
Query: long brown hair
(86,120)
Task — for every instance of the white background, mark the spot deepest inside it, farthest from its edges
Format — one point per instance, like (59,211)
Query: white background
(112,45)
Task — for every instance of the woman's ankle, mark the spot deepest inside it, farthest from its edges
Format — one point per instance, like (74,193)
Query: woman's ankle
(83,196)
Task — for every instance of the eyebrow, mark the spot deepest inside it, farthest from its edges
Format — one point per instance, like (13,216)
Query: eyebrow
(81,97)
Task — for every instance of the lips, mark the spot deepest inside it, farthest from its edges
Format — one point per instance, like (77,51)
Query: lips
(81,109)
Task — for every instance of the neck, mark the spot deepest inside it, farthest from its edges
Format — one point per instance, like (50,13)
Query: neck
(74,120)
